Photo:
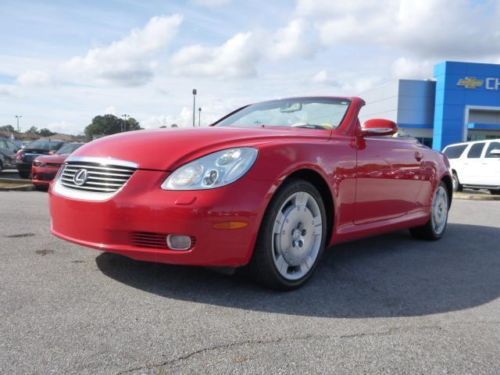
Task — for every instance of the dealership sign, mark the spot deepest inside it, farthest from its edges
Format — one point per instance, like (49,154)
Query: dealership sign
(490,83)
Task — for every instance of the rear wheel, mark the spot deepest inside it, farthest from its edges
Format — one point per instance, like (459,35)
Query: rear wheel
(456,182)
(292,237)
(436,226)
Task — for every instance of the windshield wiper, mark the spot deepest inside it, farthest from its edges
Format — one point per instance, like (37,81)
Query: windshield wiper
(309,126)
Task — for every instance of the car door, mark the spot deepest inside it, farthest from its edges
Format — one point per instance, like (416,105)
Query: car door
(387,178)
(490,171)
(472,166)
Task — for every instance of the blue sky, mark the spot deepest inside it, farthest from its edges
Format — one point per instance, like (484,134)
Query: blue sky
(62,62)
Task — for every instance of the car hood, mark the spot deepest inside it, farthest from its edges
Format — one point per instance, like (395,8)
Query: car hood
(166,149)
(53,159)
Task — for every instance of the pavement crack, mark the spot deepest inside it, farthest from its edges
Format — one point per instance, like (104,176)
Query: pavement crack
(44,252)
(20,235)
(170,362)
(391,331)
(214,348)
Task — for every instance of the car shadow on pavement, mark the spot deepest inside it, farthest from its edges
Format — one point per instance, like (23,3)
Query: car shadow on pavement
(386,276)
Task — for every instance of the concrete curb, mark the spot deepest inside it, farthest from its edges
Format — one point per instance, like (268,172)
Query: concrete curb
(476,197)
(15,187)
(15,184)
(16,180)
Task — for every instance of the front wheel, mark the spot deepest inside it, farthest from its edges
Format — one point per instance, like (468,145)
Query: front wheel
(495,191)
(292,237)
(456,183)
(436,226)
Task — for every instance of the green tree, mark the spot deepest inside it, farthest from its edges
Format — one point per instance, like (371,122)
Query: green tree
(7,128)
(46,132)
(110,124)
(32,130)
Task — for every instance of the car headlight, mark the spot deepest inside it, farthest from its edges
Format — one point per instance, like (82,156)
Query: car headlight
(212,171)
(37,163)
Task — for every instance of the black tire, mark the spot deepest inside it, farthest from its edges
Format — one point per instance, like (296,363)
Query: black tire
(495,191)
(262,266)
(428,231)
(41,188)
(25,174)
(456,182)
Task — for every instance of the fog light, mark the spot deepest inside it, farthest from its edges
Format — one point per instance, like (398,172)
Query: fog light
(178,242)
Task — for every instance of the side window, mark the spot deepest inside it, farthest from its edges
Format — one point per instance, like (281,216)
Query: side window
(454,152)
(493,146)
(475,151)
(11,146)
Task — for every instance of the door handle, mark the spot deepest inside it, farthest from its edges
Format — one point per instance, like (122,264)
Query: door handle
(418,155)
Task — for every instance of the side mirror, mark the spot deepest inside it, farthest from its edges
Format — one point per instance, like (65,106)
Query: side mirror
(379,126)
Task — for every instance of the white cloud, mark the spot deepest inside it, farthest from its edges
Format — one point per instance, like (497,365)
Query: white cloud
(345,83)
(211,3)
(64,127)
(35,78)
(110,110)
(237,57)
(404,67)
(7,90)
(426,28)
(323,78)
(183,119)
(129,61)
(294,40)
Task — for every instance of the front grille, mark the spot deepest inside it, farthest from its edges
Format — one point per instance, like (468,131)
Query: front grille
(149,239)
(44,176)
(102,178)
(152,240)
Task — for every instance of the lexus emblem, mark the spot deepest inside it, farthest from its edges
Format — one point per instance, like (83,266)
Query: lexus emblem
(80,177)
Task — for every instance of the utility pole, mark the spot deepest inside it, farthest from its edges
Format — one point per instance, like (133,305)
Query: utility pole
(124,125)
(199,117)
(194,107)
(17,118)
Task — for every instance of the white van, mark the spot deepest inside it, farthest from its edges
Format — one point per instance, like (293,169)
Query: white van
(475,164)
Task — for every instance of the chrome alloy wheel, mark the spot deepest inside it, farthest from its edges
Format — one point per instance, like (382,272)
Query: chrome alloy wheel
(439,215)
(297,236)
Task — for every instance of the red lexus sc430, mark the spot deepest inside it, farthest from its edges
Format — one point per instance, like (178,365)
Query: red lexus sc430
(268,187)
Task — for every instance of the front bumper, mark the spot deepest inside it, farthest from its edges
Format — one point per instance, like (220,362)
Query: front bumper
(41,176)
(141,209)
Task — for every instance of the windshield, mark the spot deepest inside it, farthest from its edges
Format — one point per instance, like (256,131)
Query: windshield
(313,113)
(44,144)
(68,148)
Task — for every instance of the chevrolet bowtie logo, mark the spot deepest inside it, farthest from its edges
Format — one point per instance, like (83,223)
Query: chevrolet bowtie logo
(470,82)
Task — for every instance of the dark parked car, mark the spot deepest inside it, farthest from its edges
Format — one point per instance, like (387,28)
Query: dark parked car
(25,157)
(8,151)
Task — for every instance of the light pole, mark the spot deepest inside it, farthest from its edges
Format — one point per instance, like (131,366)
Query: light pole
(17,118)
(199,117)
(194,107)
(124,125)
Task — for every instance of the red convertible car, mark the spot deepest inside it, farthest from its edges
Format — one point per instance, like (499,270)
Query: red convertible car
(268,187)
(45,167)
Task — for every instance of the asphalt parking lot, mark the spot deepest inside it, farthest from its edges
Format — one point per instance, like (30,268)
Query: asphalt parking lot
(389,304)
